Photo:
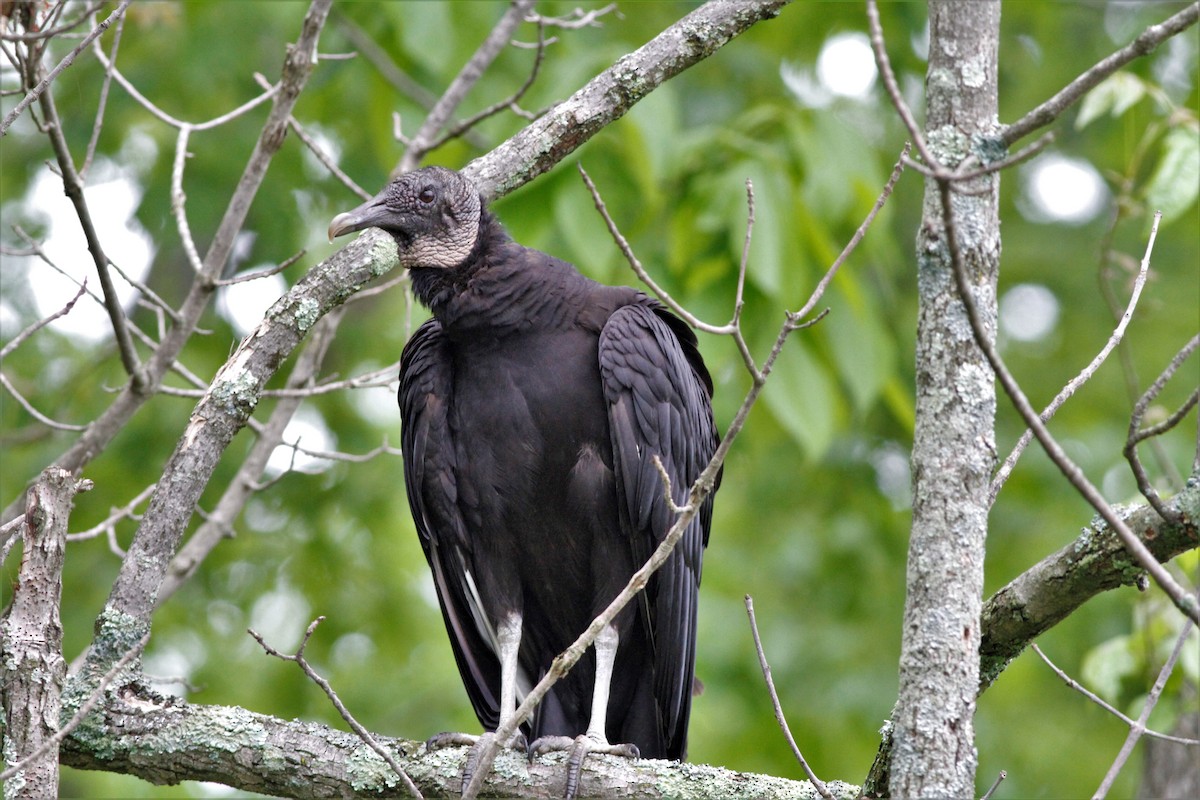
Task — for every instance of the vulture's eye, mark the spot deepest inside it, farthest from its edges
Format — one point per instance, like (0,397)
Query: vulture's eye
(426,195)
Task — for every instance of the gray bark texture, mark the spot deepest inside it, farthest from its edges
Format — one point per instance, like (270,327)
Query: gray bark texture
(165,740)
(953,449)
(31,661)
(1097,561)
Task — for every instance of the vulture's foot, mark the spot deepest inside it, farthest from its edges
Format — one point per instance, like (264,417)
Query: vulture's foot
(478,745)
(577,750)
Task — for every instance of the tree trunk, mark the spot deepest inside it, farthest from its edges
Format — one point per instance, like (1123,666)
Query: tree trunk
(32,668)
(953,448)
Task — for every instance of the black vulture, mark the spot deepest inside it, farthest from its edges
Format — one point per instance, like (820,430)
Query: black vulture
(532,405)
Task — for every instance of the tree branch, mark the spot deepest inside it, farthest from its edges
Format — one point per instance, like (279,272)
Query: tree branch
(1055,587)
(297,66)
(467,77)
(31,661)
(1095,562)
(1085,374)
(68,59)
(299,659)
(779,716)
(166,740)
(608,96)
(1145,43)
(226,408)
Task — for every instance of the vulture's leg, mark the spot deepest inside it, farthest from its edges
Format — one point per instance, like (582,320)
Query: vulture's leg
(508,644)
(595,740)
(508,640)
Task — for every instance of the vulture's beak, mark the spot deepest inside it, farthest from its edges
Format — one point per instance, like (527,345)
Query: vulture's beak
(372,214)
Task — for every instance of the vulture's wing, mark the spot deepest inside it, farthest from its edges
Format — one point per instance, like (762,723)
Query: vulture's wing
(430,478)
(658,391)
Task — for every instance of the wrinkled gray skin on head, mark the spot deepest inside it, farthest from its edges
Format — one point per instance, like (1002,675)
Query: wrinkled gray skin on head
(432,213)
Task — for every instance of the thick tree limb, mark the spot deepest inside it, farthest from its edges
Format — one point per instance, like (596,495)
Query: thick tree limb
(220,414)
(166,740)
(607,97)
(1096,561)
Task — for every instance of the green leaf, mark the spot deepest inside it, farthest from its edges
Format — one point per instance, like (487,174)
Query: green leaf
(863,355)
(801,395)
(1176,181)
(1107,665)
(1114,96)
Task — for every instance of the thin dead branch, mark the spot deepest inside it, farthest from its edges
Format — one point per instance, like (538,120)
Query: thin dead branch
(35,92)
(1085,374)
(779,716)
(300,661)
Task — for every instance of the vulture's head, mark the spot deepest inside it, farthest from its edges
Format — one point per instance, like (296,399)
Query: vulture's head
(432,213)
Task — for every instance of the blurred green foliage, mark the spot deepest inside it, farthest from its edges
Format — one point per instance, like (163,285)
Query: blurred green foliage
(812,518)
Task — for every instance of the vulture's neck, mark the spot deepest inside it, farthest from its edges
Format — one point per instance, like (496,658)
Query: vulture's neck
(436,287)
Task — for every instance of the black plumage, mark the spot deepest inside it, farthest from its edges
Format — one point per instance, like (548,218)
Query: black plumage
(532,403)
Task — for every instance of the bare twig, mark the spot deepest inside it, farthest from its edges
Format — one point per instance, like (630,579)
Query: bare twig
(35,92)
(383,376)
(20,338)
(1135,435)
(362,732)
(109,525)
(893,89)
(779,717)
(462,126)
(644,276)
(102,104)
(1085,375)
(468,76)
(1146,42)
(859,233)
(383,63)
(54,30)
(995,785)
(179,200)
(1095,698)
(1139,728)
(575,20)
(668,494)
(73,186)
(336,455)
(33,412)
(316,150)
(163,116)
(151,298)
(264,273)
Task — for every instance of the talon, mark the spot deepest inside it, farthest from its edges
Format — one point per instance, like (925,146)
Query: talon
(473,757)
(577,750)
(548,744)
(477,745)
(449,739)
